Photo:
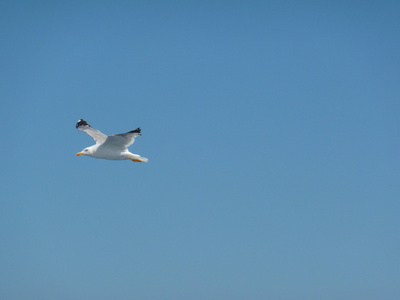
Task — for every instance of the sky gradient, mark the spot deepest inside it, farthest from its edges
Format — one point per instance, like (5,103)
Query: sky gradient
(272,132)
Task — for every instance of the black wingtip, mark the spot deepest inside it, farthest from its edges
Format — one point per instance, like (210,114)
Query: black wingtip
(137,130)
(81,122)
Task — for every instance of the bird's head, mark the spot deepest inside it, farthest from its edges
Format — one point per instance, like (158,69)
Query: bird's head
(86,151)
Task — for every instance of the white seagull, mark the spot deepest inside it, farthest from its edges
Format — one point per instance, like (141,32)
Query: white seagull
(113,146)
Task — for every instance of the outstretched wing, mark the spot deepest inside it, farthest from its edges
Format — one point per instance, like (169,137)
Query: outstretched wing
(123,140)
(98,136)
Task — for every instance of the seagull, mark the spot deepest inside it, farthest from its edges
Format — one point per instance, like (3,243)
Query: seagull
(113,146)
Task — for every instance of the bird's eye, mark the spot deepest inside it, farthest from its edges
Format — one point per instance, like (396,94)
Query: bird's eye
(85,150)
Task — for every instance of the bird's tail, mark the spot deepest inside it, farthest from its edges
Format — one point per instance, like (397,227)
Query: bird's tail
(144,159)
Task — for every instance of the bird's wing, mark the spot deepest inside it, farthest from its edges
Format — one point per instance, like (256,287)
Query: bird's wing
(98,136)
(123,140)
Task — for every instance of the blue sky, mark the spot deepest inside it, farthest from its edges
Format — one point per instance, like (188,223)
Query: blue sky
(272,133)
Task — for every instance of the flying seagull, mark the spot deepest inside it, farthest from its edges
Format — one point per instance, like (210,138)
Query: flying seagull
(113,146)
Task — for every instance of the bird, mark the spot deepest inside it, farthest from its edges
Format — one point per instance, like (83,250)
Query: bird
(113,146)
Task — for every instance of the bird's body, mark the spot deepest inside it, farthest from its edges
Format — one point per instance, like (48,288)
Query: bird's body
(113,146)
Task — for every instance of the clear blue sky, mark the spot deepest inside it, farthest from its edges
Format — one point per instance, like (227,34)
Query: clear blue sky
(272,129)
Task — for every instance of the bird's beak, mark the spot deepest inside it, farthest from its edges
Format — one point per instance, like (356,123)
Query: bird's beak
(79,153)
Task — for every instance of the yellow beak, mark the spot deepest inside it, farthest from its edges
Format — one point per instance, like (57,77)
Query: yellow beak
(79,153)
